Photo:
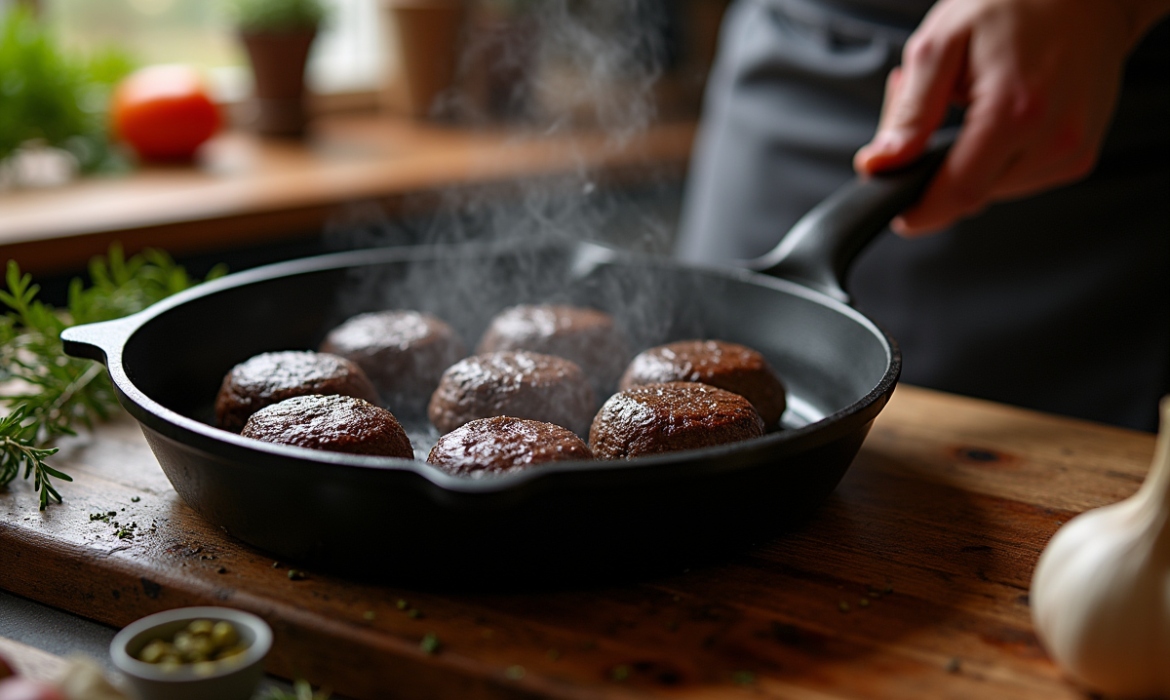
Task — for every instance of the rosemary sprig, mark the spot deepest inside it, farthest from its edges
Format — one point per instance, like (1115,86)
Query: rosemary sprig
(18,447)
(48,394)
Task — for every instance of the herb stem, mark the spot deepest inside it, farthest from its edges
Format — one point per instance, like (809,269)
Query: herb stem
(52,420)
(93,372)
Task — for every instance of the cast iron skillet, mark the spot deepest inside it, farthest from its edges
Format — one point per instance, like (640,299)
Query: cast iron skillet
(381,516)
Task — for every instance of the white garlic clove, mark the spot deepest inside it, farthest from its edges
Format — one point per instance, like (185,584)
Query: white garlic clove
(1101,591)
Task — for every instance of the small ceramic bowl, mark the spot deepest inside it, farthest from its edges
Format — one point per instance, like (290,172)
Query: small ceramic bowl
(230,679)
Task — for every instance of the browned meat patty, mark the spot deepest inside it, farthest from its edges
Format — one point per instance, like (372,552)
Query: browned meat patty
(522,384)
(501,445)
(331,423)
(656,418)
(275,376)
(402,352)
(586,336)
(736,368)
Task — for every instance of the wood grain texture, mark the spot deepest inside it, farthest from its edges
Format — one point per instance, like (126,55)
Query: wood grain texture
(246,191)
(943,515)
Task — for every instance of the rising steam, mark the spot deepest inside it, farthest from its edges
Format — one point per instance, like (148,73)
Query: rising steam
(566,65)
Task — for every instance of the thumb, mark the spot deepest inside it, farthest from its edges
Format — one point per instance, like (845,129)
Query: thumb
(916,100)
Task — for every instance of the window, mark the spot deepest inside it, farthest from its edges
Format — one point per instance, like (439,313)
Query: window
(347,55)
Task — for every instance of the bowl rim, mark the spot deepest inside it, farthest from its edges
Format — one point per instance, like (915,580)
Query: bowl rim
(256,651)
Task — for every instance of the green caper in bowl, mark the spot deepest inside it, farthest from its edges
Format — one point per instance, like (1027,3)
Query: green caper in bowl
(201,642)
(187,654)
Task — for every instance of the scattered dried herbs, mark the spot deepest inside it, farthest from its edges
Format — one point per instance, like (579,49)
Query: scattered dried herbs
(430,643)
(515,673)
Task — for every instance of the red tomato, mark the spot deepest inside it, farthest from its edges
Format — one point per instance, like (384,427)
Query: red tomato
(164,112)
(5,669)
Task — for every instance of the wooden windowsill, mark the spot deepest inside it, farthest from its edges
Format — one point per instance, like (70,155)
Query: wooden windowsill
(246,190)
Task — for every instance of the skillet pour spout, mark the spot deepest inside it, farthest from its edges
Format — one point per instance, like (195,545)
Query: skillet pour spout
(404,520)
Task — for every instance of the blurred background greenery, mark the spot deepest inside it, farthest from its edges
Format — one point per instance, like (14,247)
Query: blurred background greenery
(54,97)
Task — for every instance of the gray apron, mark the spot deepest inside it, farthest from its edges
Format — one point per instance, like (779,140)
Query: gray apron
(1059,302)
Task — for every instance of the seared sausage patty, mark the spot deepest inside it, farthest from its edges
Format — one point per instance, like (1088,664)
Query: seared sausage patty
(673,416)
(521,384)
(331,423)
(587,337)
(402,352)
(501,445)
(275,376)
(729,366)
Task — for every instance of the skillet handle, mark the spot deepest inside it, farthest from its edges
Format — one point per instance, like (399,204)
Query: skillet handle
(819,249)
(99,341)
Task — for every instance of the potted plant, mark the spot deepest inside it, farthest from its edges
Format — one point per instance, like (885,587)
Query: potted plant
(278,35)
(499,60)
(425,36)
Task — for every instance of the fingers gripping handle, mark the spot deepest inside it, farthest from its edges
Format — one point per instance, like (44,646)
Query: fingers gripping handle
(819,249)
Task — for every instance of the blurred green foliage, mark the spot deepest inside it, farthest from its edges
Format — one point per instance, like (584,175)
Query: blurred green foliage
(263,16)
(53,97)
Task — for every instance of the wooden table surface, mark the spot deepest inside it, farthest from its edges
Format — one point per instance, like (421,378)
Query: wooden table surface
(245,190)
(942,515)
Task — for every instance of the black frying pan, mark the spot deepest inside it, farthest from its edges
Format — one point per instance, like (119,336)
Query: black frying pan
(387,516)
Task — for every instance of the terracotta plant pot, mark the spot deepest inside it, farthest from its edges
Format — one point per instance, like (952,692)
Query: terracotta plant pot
(278,65)
(498,68)
(425,36)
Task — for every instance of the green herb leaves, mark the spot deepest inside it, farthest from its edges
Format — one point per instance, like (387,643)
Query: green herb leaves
(48,393)
(49,96)
(18,448)
(264,16)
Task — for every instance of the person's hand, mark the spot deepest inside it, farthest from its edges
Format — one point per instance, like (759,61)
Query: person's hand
(1039,79)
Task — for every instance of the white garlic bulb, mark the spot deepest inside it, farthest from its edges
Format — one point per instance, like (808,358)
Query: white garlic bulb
(1101,590)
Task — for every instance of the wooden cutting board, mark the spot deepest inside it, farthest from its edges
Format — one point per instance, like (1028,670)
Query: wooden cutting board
(911,581)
